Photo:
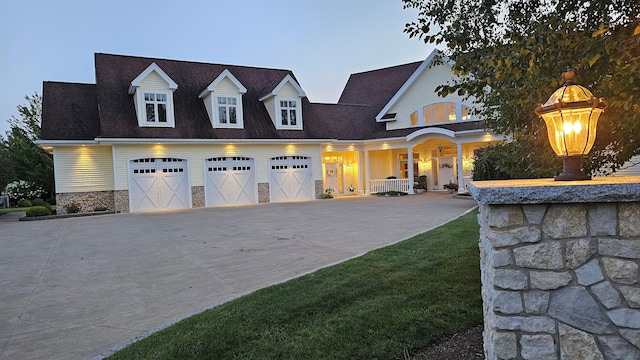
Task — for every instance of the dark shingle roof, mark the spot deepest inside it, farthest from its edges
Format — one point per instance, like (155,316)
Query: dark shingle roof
(377,87)
(114,74)
(69,111)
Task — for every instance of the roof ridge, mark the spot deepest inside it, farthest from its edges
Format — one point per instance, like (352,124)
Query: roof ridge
(388,67)
(193,62)
(67,82)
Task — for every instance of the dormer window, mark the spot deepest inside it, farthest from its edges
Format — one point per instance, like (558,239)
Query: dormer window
(155,107)
(284,104)
(227,110)
(153,97)
(289,113)
(223,101)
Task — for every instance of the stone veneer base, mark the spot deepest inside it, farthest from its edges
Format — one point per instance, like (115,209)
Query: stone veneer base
(560,268)
(87,201)
(118,200)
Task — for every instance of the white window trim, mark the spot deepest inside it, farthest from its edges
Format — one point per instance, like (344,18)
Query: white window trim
(298,125)
(458,112)
(216,114)
(141,109)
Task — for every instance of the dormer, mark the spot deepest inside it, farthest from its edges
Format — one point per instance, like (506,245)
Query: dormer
(284,104)
(152,92)
(223,100)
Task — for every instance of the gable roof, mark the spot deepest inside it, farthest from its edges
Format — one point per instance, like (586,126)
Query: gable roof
(117,111)
(226,74)
(376,87)
(153,67)
(278,86)
(407,84)
(106,110)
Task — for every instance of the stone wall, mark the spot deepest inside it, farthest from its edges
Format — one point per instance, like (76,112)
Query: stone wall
(561,280)
(121,200)
(197,196)
(263,193)
(87,201)
(319,189)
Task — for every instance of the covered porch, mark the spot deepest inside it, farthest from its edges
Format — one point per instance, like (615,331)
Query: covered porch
(432,159)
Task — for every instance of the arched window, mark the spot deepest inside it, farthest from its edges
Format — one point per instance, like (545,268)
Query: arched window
(414,118)
(441,112)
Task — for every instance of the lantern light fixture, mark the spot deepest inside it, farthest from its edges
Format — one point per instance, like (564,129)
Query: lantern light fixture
(571,115)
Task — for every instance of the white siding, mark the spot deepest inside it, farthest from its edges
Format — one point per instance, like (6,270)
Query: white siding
(421,93)
(226,87)
(154,82)
(288,91)
(381,163)
(270,104)
(83,168)
(197,153)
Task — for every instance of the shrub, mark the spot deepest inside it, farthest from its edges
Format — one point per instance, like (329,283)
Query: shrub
(51,201)
(72,208)
(100,208)
(39,202)
(24,203)
(23,190)
(38,211)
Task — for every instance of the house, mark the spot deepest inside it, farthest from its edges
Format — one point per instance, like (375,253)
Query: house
(156,134)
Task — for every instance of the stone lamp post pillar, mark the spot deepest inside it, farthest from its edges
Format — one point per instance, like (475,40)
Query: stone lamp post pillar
(559,263)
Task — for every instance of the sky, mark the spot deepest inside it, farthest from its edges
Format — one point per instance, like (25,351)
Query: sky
(321,41)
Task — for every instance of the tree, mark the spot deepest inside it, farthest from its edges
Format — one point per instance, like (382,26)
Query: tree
(510,55)
(20,158)
(30,116)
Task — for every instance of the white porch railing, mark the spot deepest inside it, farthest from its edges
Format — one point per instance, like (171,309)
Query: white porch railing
(465,182)
(385,185)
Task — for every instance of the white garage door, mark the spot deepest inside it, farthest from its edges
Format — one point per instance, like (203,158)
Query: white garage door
(229,181)
(291,179)
(158,184)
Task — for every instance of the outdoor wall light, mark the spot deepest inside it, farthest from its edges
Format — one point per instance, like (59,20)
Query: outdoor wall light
(571,115)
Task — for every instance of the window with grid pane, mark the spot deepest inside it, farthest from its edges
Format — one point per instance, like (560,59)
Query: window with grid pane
(155,107)
(288,112)
(227,110)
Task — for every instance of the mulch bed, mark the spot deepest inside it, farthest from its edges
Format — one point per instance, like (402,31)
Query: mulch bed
(465,345)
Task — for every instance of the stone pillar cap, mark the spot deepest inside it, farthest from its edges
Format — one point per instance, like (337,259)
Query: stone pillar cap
(548,191)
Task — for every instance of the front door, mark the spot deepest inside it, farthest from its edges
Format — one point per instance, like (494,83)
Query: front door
(446,171)
(332,174)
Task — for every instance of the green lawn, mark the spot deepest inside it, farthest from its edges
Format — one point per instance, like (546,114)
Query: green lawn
(10,210)
(398,298)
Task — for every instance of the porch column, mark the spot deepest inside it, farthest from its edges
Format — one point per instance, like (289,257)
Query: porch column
(461,189)
(410,168)
(361,176)
(367,172)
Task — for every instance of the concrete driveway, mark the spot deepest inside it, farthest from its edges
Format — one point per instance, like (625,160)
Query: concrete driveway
(79,288)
